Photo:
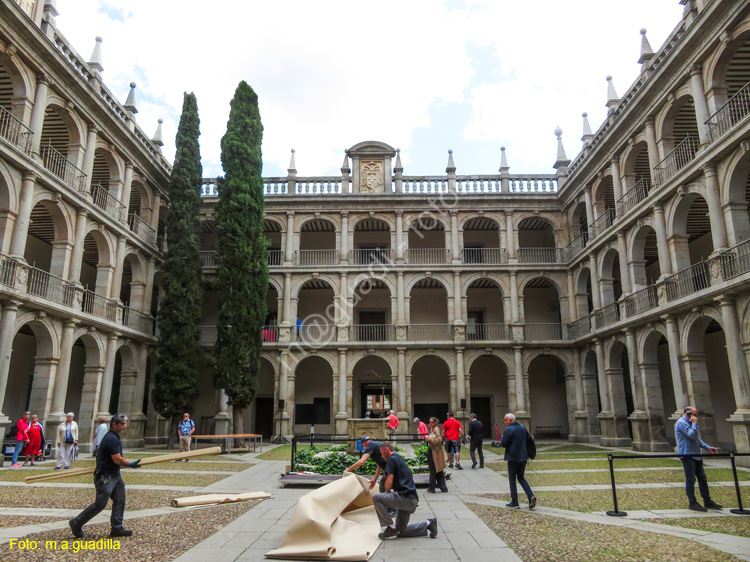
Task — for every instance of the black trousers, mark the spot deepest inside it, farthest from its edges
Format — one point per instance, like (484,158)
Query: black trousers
(476,445)
(107,486)
(436,478)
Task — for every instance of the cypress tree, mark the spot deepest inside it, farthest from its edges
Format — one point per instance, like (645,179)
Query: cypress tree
(175,380)
(243,255)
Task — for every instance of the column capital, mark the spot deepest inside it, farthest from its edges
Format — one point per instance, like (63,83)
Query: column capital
(696,68)
(71,322)
(129,164)
(43,78)
(290,214)
(650,121)
(725,300)
(344,214)
(82,212)
(30,176)
(658,208)
(93,128)
(11,304)
(454,213)
(114,336)
(399,212)
(709,169)
(287,275)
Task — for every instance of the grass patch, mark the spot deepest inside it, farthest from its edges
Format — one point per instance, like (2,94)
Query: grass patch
(625,477)
(738,526)
(539,537)
(647,499)
(572,464)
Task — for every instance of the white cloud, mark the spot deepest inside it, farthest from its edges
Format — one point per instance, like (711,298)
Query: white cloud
(331,74)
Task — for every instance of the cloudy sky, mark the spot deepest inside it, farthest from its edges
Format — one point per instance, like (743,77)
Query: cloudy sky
(424,76)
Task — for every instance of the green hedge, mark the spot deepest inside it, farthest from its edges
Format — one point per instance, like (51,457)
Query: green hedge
(339,461)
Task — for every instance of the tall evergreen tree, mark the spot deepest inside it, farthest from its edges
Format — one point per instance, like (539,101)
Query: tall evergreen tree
(175,384)
(242,281)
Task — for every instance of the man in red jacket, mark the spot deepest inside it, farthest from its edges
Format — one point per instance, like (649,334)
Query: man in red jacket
(453,430)
(392,424)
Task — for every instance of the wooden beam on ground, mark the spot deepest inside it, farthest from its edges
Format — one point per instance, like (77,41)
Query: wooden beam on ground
(61,474)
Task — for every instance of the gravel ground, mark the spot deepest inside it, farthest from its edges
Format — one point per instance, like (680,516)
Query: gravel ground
(191,465)
(601,500)
(630,477)
(574,464)
(78,498)
(20,520)
(738,525)
(536,537)
(128,475)
(155,539)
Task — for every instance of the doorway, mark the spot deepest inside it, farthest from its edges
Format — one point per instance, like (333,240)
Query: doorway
(376,399)
(264,416)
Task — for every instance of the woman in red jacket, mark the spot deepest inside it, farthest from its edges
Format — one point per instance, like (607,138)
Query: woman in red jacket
(33,448)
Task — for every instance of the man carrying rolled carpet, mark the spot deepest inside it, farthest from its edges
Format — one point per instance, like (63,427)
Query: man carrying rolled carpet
(400,494)
(107,481)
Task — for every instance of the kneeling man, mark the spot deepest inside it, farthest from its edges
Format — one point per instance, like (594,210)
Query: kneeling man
(400,494)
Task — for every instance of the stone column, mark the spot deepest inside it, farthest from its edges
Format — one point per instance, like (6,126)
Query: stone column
(400,236)
(678,379)
(638,418)
(7,332)
(109,374)
(59,393)
(716,215)
(614,167)
(119,265)
(23,218)
(602,375)
(579,415)
(127,187)
(622,253)
(37,113)
(342,414)
(660,225)
(137,427)
(521,404)
(510,235)
(457,312)
(699,101)
(154,222)
(737,366)
(572,312)
(455,251)
(595,288)
(514,311)
(653,150)
(344,257)
(90,395)
(460,383)
(74,271)
(590,218)
(88,156)
(222,418)
(289,254)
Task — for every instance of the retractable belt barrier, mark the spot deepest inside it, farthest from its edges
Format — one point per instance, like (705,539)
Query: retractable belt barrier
(731,455)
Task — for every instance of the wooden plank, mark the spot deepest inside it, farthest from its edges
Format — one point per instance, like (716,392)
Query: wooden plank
(61,474)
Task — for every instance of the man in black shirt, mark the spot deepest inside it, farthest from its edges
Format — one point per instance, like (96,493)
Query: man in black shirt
(400,494)
(476,437)
(107,481)
(372,451)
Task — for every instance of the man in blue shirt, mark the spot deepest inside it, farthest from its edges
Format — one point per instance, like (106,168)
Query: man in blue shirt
(689,443)
(184,431)
(400,494)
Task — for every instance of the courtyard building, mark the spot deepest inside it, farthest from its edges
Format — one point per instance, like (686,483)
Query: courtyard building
(595,302)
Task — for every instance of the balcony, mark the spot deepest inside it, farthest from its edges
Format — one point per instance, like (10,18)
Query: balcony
(577,245)
(47,286)
(316,257)
(540,255)
(602,222)
(736,260)
(99,306)
(64,169)
(579,328)
(633,196)
(430,332)
(15,132)
(209,335)
(209,259)
(488,332)
(372,332)
(427,256)
(370,256)
(315,334)
(607,315)
(270,333)
(138,320)
(142,229)
(484,255)
(688,281)
(729,115)
(640,301)
(538,332)
(681,156)
(275,257)
(108,203)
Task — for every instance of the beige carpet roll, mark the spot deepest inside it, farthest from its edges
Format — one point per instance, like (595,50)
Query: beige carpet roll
(335,522)
(208,499)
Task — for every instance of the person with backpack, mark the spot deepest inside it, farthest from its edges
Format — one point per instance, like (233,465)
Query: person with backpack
(515,440)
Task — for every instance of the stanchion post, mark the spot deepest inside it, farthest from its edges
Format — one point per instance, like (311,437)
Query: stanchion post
(294,453)
(740,510)
(616,512)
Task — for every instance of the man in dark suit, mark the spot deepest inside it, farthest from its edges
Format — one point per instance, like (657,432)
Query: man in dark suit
(476,437)
(514,440)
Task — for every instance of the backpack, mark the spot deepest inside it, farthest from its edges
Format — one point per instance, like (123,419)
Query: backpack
(530,445)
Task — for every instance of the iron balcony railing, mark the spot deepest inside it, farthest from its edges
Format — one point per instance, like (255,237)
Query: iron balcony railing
(640,301)
(141,229)
(681,156)
(633,196)
(577,245)
(540,255)
(579,328)
(428,256)
(430,332)
(270,333)
(15,132)
(688,281)
(8,270)
(209,258)
(99,306)
(488,332)
(729,114)
(209,335)
(484,255)
(63,168)
(607,315)
(315,333)
(602,222)
(370,256)
(275,257)
(138,320)
(316,257)
(536,332)
(372,332)
(47,286)
(103,199)
(736,260)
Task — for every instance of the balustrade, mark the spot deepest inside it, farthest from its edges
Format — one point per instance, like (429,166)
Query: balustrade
(736,260)
(372,332)
(370,256)
(602,222)
(209,258)
(63,168)
(579,328)
(488,332)
(138,320)
(275,257)
(430,332)
(540,255)
(315,333)
(728,115)
(607,315)
(47,286)
(316,257)
(270,333)
(633,196)
(577,245)
(681,156)
(640,301)
(484,255)
(427,256)
(99,306)
(688,281)
(107,202)
(319,186)
(141,229)
(15,132)
(536,332)
(8,270)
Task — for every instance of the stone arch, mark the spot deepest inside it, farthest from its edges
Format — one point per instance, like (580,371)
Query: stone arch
(496,278)
(273,360)
(22,82)
(547,391)
(603,192)
(312,384)
(95,344)
(44,330)
(524,280)
(359,356)
(578,219)
(447,285)
(104,243)
(334,220)
(376,216)
(322,354)
(431,389)
(62,218)
(106,159)
(365,277)
(371,374)
(609,269)
(417,355)
(75,130)
(8,190)
(678,207)
(499,222)
(584,292)
(611,347)
(420,219)
(735,195)
(695,323)
(715,69)
(276,284)
(489,385)
(676,120)
(325,278)
(643,252)
(505,358)
(635,163)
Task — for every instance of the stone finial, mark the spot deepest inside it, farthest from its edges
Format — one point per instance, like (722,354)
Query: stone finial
(398,168)
(157,139)
(612,99)
(50,7)
(562,161)
(292,169)
(130,102)
(451,169)
(504,168)
(345,169)
(588,136)
(647,53)
(96,57)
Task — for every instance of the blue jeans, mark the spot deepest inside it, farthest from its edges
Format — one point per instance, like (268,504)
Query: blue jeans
(17,451)
(693,470)
(107,486)
(515,471)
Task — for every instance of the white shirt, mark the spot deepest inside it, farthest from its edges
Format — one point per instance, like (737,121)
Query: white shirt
(101,431)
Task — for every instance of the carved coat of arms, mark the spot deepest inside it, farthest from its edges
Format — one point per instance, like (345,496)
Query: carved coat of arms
(371,178)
